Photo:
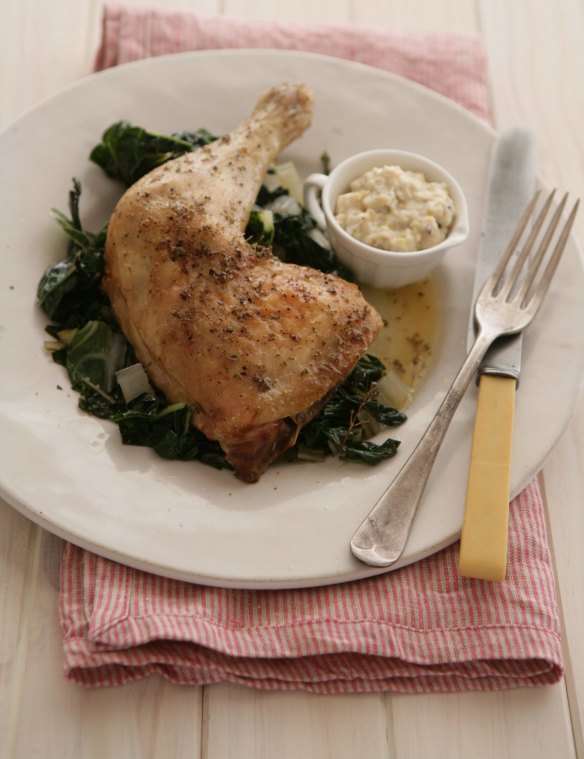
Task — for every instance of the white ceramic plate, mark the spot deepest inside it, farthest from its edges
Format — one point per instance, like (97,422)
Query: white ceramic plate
(70,473)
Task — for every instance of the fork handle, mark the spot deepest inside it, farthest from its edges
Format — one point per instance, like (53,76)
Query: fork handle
(381,538)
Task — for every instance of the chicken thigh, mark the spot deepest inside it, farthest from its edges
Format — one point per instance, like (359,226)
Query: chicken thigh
(254,344)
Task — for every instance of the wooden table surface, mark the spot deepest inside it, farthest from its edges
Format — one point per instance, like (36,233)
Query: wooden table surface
(536,64)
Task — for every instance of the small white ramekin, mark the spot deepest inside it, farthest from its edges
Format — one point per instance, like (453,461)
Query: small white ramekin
(374,266)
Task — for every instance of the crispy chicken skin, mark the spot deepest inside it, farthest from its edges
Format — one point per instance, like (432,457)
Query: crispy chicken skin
(254,344)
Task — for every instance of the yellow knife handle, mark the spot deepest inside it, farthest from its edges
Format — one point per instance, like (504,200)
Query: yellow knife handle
(483,543)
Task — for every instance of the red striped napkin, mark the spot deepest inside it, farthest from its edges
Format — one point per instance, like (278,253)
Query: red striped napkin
(419,629)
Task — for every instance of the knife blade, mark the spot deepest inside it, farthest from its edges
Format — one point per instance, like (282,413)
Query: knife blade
(483,546)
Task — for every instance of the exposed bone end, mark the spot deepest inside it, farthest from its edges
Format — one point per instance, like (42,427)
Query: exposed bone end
(291,105)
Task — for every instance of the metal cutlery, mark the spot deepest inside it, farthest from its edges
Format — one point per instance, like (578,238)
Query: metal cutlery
(483,542)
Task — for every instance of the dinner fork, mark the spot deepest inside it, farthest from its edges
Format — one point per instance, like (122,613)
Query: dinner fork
(506,304)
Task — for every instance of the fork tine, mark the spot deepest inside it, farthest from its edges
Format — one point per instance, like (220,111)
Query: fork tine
(493,279)
(536,261)
(511,280)
(544,283)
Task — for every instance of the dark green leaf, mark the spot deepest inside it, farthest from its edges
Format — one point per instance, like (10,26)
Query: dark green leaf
(367,371)
(94,356)
(56,283)
(70,290)
(266,196)
(127,152)
(292,240)
(80,238)
(337,427)
(325,160)
(260,228)
(167,429)
(292,237)
(197,139)
(387,415)
(369,453)
(100,405)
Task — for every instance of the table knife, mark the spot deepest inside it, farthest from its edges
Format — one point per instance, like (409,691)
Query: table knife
(483,546)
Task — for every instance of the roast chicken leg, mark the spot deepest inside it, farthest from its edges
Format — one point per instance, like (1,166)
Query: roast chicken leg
(254,344)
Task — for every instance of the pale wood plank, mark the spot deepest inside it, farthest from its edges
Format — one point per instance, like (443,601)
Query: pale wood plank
(17,535)
(537,71)
(451,15)
(15,538)
(43,46)
(247,724)
(46,46)
(506,725)
(564,485)
(147,719)
(445,15)
(323,11)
